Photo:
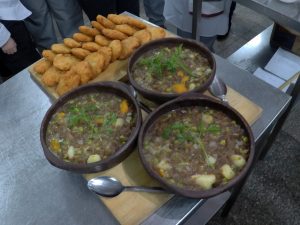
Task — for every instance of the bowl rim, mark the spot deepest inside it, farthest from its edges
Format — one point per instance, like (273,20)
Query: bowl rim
(112,160)
(171,105)
(169,41)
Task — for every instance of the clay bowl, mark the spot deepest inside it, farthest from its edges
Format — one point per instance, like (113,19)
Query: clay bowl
(160,97)
(117,88)
(186,101)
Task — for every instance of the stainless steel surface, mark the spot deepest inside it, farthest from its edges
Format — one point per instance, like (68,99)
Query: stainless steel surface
(34,192)
(218,89)
(110,187)
(255,53)
(286,14)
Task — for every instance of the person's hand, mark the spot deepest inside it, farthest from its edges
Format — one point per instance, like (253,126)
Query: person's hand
(10,47)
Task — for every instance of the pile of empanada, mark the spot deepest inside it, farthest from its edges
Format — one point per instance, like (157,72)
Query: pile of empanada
(83,57)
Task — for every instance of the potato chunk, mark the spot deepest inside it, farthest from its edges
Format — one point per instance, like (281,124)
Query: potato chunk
(238,160)
(205,181)
(93,158)
(227,171)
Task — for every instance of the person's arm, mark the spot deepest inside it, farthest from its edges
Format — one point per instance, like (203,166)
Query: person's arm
(7,44)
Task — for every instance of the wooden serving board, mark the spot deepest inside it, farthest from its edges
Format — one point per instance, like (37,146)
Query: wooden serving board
(131,208)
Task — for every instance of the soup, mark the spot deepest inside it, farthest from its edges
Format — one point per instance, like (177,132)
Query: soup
(171,70)
(196,148)
(90,128)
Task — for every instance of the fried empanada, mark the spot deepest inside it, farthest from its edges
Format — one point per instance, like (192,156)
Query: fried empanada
(126,29)
(91,46)
(64,61)
(60,49)
(144,36)
(71,43)
(116,48)
(135,22)
(89,30)
(80,52)
(41,66)
(114,34)
(68,81)
(52,76)
(84,70)
(117,19)
(102,40)
(96,60)
(107,53)
(97,25)
(82,37)
(48,54)
(105,22)
(128,46)
(156,32)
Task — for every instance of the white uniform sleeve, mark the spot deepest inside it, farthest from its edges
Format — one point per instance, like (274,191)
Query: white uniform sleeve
(4,35)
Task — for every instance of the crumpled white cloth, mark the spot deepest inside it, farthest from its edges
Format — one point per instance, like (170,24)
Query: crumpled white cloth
(11,10)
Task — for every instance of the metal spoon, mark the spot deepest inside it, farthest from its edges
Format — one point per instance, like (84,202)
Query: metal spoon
(218,89)
(110,187)
(142,105)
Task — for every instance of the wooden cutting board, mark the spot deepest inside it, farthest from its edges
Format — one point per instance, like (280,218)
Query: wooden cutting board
(133,207)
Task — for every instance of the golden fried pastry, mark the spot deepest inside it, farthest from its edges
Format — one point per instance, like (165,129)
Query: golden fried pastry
(107,53)
(156,32)
(128,46)
(82,37)
(114,34)
(84,70)
(41,66)
(102,40)
(116,48)
(96,60)
(71,43)
(68,81)
(144,36)
(105,22)
(135,22)
(126,29)
(117,19)
(52,76)
(48,54)
(64,61)
(80,52)
(91,46)
(97,25)
(60,49)
(89,30)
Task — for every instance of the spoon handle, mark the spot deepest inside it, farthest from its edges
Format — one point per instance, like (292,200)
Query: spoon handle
(145,189)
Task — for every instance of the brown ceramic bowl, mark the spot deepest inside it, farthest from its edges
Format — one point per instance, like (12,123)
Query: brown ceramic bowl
(160,97)
(186,101)
(117,88)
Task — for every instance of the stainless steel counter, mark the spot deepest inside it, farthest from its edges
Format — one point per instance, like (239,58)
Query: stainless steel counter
(34,192)
(286,14)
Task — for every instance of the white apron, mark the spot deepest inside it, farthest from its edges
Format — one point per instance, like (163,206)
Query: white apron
(177,12)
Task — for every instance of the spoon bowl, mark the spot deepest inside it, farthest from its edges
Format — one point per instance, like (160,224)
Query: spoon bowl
(218,89)
(107,186)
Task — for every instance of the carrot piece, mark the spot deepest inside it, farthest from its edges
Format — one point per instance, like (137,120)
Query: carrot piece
(124,106)
(179,88)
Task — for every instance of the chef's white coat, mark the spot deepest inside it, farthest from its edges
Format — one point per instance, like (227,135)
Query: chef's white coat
(177,12)
(10,10)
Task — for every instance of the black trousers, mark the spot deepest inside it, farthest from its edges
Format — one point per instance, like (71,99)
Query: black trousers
(92,8)
(26,53)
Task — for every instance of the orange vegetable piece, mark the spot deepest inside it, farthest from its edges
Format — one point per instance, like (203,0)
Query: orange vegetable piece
(55,145)
(124,106)
(179,88)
